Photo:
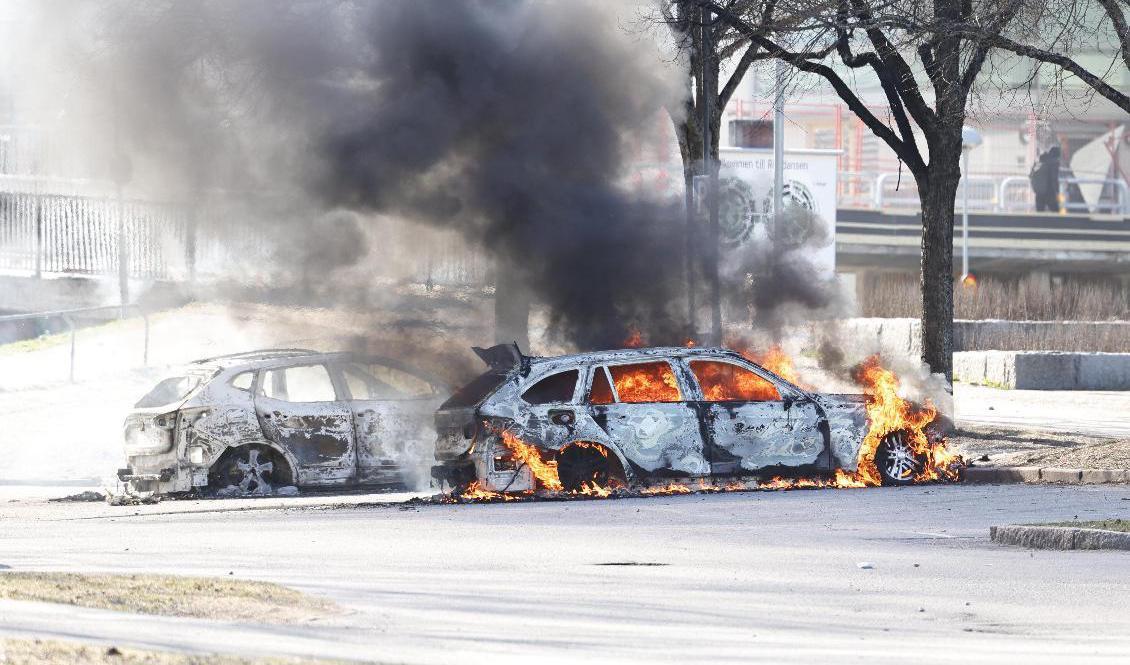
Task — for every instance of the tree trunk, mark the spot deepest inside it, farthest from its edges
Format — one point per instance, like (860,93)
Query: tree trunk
(938,190)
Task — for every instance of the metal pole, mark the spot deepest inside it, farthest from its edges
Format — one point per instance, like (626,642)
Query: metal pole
(38,231)
(709,88)
(71,325)
(964,214)
(778,153)
(123,257)
(145,353)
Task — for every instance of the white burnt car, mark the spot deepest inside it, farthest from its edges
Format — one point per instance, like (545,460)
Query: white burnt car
(251,423)
(647,414)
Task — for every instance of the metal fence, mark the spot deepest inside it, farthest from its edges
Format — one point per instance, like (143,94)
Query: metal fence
(76,228)
(69,316)
(987,193)
(80,235)
(85,234)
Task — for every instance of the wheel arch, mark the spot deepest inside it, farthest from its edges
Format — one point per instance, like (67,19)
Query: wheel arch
(291,462)
(617,454)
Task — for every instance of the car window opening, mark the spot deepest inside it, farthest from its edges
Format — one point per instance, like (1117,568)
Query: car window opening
(305,383)
(474,392)
(553,389)
(172,389)
(645,382)
(726,382)
(601,391)
(243,381)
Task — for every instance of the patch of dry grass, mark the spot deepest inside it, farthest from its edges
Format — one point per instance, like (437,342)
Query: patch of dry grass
(896,295)
(51,652)
(170,595)
(1106,525)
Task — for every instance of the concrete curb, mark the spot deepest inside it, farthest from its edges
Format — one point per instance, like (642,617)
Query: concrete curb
(1059,538)
(1035,474)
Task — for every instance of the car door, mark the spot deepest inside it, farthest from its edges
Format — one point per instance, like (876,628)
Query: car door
(552,417)
(642,406)
(392,412)
(300,410)
(751,425)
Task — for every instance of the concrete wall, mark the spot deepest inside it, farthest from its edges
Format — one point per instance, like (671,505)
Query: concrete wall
(1044,370)
(900,337)
(29,294)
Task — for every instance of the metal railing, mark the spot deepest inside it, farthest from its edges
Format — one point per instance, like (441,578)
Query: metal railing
(987,193)
(67,315)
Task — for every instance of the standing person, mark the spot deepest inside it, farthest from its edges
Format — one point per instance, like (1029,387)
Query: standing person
(1045,180)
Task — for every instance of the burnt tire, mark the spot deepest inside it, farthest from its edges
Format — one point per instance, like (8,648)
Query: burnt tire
(581,465)
(896,460)
(249,471)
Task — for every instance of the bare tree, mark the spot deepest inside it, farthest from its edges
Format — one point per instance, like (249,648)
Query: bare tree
(926,77)
(1054,31)
(705,54)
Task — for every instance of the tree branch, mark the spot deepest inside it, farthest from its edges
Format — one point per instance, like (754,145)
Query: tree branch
(1059,60)
(808,62)
(1120,27)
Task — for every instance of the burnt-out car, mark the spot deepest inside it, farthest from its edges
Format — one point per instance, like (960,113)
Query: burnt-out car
(648,414)
(251,423)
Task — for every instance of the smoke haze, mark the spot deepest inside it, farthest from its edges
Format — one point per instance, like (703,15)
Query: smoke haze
(509,123)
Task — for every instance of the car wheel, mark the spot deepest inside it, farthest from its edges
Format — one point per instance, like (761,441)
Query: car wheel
(584,464)
(897,462)
(248,471)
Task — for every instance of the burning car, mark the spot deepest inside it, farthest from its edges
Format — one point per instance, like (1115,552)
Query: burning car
(588,422)
(250,423)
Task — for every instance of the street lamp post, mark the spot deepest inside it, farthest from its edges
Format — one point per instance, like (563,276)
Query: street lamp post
(970,139)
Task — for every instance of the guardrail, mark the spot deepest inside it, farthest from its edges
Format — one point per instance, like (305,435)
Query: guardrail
(67,314)
(987,193)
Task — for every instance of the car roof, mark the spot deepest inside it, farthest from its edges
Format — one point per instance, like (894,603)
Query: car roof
(649,353)
(250,360)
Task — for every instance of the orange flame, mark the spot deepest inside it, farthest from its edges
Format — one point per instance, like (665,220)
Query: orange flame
(634,340)
(887,413)
(545,473)
(645,382)
(775,360)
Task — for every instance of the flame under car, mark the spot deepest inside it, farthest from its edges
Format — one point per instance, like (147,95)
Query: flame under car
(251,423)
(599,420)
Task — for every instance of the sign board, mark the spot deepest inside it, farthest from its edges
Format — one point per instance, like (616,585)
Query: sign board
(745,213)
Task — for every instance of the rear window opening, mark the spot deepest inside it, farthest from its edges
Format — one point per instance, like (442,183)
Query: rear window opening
(554,389)
(475,391)
(168,391)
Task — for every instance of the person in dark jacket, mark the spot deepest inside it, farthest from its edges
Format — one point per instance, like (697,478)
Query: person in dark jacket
(1045,180)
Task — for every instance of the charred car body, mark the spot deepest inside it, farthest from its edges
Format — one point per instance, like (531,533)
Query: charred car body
(253,422)
(642,414)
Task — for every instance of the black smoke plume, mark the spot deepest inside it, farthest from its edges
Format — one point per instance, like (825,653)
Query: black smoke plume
(512,122)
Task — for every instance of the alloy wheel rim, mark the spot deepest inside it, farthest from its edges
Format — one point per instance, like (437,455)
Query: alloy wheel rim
(901,462)
(253,471)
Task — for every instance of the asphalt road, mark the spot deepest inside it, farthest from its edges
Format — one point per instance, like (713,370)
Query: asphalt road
(760,576)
